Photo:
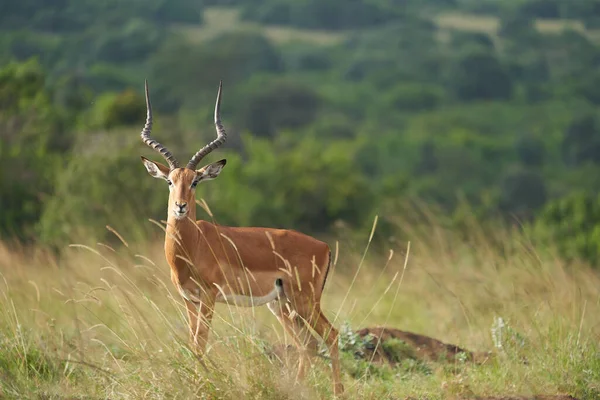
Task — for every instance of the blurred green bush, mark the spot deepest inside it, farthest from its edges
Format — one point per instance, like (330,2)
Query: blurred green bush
(336,111)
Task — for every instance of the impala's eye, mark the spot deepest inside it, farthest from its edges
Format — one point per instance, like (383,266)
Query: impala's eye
(169,183)
(194,184)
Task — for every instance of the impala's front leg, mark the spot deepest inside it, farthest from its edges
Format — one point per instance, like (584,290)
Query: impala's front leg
(200,318)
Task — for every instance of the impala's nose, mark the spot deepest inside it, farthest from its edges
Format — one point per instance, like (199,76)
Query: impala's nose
(181,209)
(182,205)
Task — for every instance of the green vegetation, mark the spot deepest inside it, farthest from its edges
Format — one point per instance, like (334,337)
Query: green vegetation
(405,106)
(486,111)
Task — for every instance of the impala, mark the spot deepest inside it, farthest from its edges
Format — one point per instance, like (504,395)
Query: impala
(284,269)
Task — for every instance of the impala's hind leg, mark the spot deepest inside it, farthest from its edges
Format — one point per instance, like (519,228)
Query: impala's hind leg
(305,342)
(325,329)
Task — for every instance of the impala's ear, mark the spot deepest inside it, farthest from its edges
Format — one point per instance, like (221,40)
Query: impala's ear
(211,171)
(157,170)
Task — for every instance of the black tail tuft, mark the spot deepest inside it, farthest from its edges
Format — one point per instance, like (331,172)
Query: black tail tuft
(279,288)
(327,271)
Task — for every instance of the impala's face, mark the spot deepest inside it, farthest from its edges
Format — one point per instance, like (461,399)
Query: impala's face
(182,184)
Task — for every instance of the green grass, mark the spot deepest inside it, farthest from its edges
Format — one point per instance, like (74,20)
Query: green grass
(104,323)
(220,20)
(490,24)
(465,22)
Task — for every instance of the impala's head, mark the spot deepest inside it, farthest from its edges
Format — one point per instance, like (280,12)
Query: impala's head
(182,182)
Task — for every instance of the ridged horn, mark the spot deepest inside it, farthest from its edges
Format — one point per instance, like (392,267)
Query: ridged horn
(148,129)
(221,135)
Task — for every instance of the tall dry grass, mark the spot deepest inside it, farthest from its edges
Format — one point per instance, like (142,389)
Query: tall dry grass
(105,322)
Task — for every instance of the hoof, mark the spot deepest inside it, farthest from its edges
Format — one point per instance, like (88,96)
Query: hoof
(338,389)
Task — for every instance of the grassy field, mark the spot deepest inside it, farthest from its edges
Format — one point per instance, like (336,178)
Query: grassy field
(490,24)
(219,20)
(105,322)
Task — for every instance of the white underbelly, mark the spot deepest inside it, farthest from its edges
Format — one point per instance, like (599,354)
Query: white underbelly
(239,300)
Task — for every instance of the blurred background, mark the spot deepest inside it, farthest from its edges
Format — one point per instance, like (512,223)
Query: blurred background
(337,111)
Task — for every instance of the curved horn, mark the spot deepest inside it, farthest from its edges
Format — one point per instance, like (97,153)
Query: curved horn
(221,135)
(148,129)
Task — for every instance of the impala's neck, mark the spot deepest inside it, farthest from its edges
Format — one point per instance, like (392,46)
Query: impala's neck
(181,242)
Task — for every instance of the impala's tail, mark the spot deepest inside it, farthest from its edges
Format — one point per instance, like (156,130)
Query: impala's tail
(279,287)
(326,271)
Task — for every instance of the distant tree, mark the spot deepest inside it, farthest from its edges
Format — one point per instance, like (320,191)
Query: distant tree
(244,52)
(102,185)
(587,11)
(591,22)
(185,73)
(451,169)
(530,151)
(404,50)
(588,86)
(529,67)
(179,11)
(108,77)
(270,12)
(580,9)
(479,75)
(550,9)
(126,109)
(570,55)
(276,106)
(72,93)
(307,57)
(22,45)
(461,39)
(486,7)
(31,136)
(333,126)
(321,14)
(112,110)
(581,141)
(522,192)
(516,24)
(572,224)
(256,3)
(411,97)
(134,41)
(428,162)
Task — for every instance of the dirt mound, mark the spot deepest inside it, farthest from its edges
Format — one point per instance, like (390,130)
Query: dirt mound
(395,344)
(390,346)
